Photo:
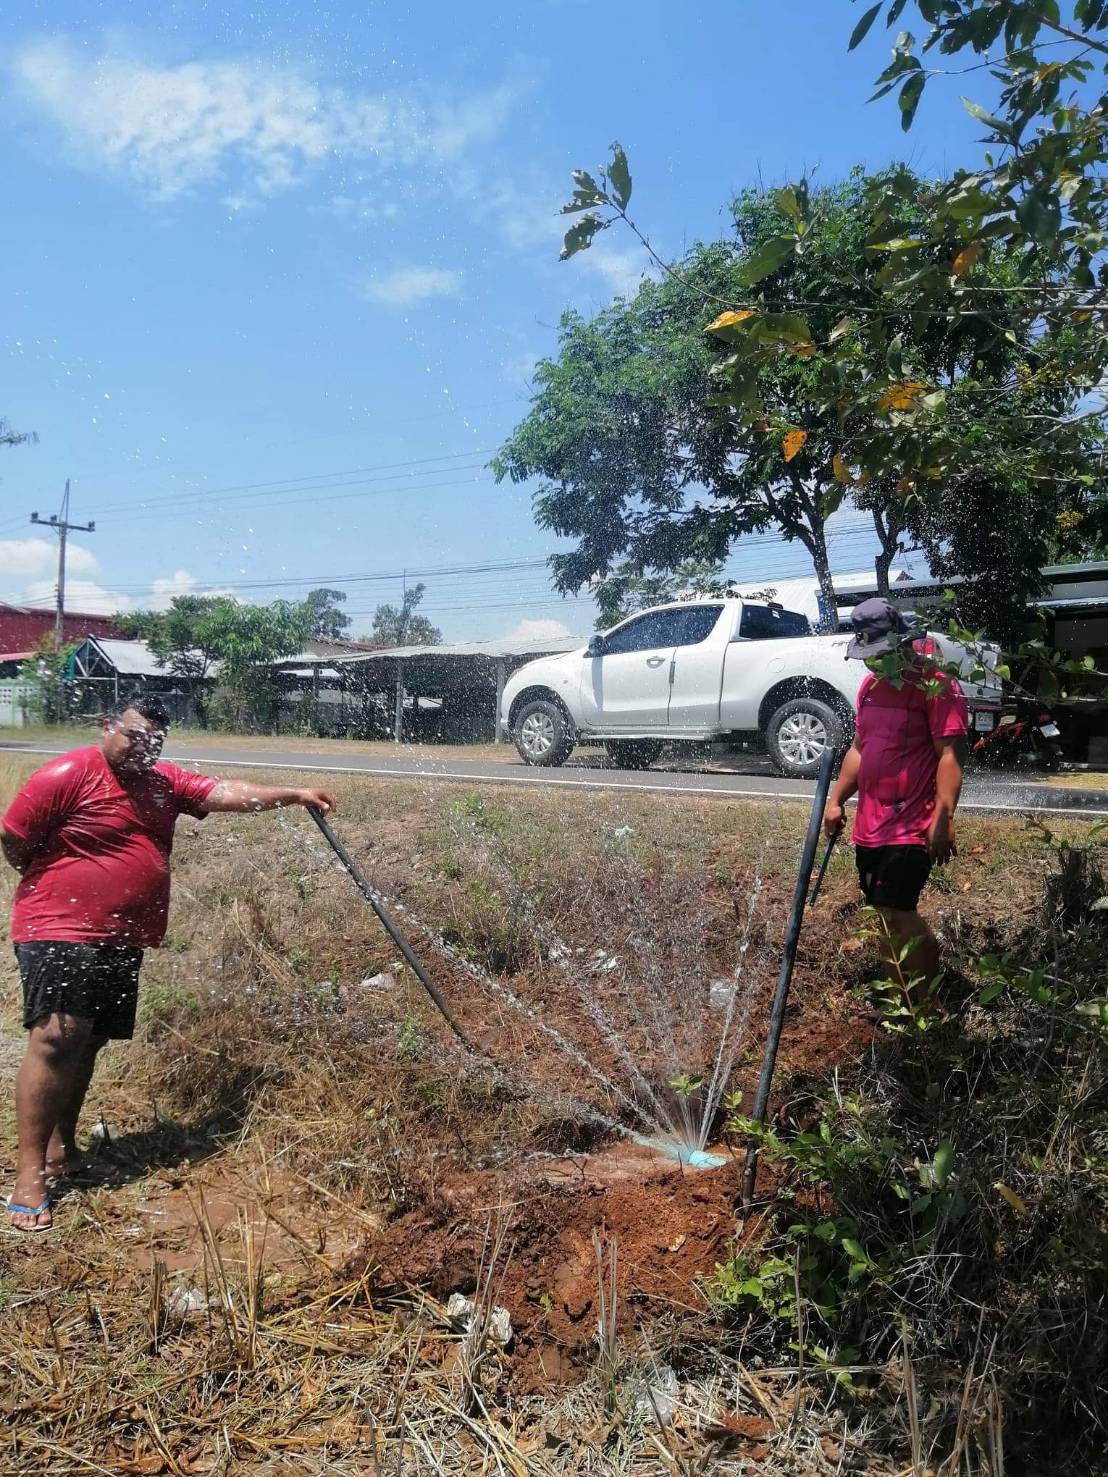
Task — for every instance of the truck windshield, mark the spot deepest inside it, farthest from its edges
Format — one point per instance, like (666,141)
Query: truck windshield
(764,622)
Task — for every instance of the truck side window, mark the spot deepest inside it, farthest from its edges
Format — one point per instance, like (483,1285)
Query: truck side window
(655,628)
(696,624)
(764,622)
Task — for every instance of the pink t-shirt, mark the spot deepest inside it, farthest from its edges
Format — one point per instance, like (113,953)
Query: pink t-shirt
(896,730)
(99,871)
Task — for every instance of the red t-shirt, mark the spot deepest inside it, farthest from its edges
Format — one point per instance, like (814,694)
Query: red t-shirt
(99,872)
(896,729)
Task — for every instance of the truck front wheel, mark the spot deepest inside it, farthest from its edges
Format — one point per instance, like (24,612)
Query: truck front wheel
(799,733)
(542,733)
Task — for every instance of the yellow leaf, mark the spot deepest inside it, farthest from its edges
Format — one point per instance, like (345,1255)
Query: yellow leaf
(793,443)
(900,397)
(730,320)
(841,470)
(1017,1202)
(966,258)
(804,350)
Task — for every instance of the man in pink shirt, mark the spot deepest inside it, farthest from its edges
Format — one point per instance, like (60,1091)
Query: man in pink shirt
(91,834)
(905,765)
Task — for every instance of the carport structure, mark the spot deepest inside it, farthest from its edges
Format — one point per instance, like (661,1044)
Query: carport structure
(467,678)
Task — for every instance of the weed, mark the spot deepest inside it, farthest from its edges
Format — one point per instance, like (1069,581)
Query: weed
(470,807)
(411,1041)
(164,1001)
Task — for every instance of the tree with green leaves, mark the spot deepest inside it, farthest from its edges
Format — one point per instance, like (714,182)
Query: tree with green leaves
(204,636)
(400,625)
(327,622)
(932,388)
(666,429)
(623,592)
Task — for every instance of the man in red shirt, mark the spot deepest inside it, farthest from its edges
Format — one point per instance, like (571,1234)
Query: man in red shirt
(906,766)
(91,834)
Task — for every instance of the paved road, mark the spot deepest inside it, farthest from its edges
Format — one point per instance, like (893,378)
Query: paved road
(753,779)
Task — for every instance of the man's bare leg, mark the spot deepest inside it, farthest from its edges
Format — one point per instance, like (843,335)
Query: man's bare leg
(45,1087)
(62,1153)
(922,962)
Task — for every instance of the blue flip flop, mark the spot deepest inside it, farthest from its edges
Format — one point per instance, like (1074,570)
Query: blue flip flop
(13,1208)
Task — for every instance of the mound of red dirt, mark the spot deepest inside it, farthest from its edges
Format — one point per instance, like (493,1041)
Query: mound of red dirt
(671,1225)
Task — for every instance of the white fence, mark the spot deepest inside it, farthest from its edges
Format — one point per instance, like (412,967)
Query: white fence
(15,703)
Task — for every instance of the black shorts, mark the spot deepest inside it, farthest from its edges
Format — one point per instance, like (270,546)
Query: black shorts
(893,876)
(98,982)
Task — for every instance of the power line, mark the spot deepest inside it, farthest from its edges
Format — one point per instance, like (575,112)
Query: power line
(293,483)
(848,532)
(855,525)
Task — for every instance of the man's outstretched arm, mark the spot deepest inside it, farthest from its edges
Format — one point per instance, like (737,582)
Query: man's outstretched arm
(245,797)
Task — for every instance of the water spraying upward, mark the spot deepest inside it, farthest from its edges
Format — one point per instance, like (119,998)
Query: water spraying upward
(642,1001)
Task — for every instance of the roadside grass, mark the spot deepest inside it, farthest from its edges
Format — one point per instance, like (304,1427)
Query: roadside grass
(318,1112)
(181,738)
(1086,779)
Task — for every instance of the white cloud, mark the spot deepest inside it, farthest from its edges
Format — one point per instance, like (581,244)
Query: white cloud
(92,598)
(539,630)
(84,595)
(406,286)
(172,128)
(163,591)
(20,557)
(623,270)
(519,369)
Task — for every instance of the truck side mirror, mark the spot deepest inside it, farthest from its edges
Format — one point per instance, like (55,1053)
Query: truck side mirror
(595,646)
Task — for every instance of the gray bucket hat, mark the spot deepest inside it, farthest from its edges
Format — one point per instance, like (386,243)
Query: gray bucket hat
(878,627)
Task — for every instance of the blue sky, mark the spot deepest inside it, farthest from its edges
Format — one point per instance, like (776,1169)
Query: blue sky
(274,278)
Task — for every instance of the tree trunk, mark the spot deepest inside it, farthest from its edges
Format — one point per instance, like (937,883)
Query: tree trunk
(881,570)
(828,608)
(888,535)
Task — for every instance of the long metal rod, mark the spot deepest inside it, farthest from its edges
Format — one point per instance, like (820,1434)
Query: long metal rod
(822,873)
(390,927)
(788,959)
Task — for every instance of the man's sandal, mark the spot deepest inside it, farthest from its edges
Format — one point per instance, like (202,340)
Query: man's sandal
(13,1208)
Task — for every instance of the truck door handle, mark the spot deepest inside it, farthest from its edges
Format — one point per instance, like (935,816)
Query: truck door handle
(655,661)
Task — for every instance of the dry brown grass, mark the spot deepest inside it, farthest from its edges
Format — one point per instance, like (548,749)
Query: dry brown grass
(278,1112)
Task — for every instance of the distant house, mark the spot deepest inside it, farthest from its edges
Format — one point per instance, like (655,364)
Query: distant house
(25,627)
(102,670)
(448,693)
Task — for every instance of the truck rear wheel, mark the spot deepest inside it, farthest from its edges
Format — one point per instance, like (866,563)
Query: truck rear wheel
(634,753)
(542,733)
(799,733)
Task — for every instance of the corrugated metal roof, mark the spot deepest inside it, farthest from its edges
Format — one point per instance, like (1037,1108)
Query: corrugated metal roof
(129,658)
(1074,602)
(134,658)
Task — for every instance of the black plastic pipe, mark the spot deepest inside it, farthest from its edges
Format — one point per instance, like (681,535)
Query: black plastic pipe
(822,873)
(784,978)
(390,927)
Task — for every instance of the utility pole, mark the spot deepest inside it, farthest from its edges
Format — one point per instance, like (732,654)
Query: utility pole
(62,526)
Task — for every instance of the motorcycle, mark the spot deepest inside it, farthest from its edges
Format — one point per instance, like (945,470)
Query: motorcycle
(1026,735)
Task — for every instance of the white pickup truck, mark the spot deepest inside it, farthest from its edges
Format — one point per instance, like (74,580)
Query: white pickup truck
(706,670)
